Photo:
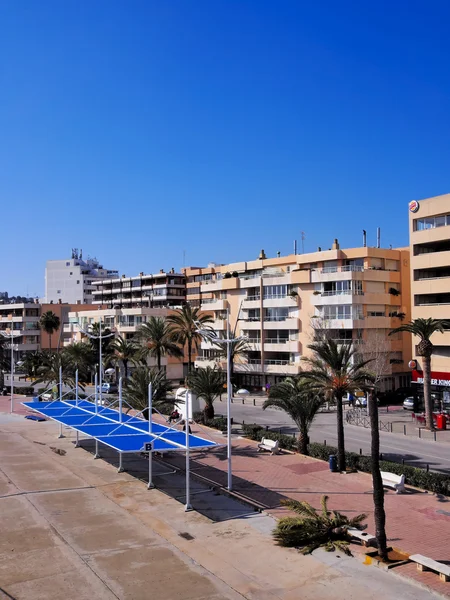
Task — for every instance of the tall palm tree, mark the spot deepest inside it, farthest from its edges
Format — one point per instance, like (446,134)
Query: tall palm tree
(238,348)
(49,322)
(136,390)
(81,357)
(424,329)
(185,322)
(207,384)
(312,529)
(335,372)
(158,339)
(296,398)
(31,363)
(123,351)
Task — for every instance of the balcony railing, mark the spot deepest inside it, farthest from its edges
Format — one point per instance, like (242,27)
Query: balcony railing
(343,293)
(276,318)
(343,269)
(276,362)
(277,340)
(273,296)
(257,297)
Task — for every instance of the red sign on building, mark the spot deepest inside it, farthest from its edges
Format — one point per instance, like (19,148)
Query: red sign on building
(437,378)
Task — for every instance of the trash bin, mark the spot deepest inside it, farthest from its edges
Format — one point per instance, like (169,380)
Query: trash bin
(441,422)
(332,461)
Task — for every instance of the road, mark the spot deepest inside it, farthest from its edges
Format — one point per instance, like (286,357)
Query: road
(414,451)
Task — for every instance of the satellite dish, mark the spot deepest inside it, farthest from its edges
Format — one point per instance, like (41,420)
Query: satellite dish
(110,371)
(242,392)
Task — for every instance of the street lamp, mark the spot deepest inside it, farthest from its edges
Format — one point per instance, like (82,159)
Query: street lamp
(211,335)
(99,337)
(10,333)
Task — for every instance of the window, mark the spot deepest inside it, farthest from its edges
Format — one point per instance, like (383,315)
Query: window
(70,273)
(78,281)
(276,314)
(275,291)
(67,264)
(58,291)
(431,222)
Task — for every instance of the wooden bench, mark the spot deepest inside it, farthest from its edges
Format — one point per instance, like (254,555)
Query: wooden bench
(428,564)
(269,445)
(394,481)
(366,539)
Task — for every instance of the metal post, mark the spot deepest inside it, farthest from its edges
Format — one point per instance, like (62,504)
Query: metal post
(60,431)
(12,373)
(150,454)
(120,469)
(96,455)
(230,477)
(76,387)
(77,443)
(100,358)
(186,421)
(96,393)
(60,384)
(120,401)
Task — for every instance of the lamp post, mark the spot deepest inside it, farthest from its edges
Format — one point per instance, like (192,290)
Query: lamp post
(9,333)
(99,337)
(211,335)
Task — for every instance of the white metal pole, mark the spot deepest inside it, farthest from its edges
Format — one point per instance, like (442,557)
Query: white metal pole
(188,505)
(229,392)
(100,353)
(120,469)
(76,387)
(150,408)
(12,373)
(96,392)
(60,384)
(96,455)
(150,454)
(77,443)
(120,401)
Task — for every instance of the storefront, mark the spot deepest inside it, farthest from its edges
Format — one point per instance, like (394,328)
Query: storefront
(440,385)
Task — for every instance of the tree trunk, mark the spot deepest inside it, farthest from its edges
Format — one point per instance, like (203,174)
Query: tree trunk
(158,360)
(50,342)
(303,440)
(189,355)
(340,434)
(378,491)
(2,380)
(208,411)
(427,392)
(125,367)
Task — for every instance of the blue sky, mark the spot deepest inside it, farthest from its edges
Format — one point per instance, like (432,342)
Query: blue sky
(139,130)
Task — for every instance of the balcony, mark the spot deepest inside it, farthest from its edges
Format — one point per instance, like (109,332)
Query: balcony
(282,323)
(219,325)
(331,298)
(275,301)
(281,367)
(213,304)
(337,274)
(201,362)
(357,322)
(281,345)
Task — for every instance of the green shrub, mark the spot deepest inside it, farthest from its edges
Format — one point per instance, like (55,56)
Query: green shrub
(253,431)
(26,390)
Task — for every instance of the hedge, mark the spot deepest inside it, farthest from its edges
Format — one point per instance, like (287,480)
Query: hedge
(256,432)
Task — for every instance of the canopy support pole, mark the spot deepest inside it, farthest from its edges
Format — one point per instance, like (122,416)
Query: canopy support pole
(151,485)
(76,387)
(120,469)
(188,505)
(61,435)
(96,455)
(120,400)
(96,393)
(77,443)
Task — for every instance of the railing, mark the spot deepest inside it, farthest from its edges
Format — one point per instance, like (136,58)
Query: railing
(254,361)
(343,318)
(343,269)
(273,296)
(253,298)
(211,300)
(343,293)
(277,341)
(254,340)
(275,318)
(276,362)
(252,319)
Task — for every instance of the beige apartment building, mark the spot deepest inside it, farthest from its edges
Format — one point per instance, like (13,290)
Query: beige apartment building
(124,322)
(281,304)
(429,227)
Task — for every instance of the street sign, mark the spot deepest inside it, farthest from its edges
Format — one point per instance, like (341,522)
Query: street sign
(148,447)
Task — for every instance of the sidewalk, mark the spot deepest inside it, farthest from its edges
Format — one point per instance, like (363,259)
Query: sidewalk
(417,522)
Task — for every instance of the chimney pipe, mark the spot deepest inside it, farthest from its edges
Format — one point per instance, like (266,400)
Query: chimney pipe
(295,246)
(378,237)
(364,238)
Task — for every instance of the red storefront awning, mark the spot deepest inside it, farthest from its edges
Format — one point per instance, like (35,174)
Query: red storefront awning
(437,378)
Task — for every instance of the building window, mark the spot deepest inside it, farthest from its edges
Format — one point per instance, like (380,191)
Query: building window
(67,264)
(431,222)
(58,291)
(78,281)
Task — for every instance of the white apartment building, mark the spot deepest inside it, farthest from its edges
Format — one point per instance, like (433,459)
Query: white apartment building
(72,280)
(23,321)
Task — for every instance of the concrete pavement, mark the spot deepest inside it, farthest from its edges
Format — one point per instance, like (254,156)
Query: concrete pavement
(73,528)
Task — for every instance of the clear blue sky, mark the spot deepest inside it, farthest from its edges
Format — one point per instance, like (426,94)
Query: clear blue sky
(141,129)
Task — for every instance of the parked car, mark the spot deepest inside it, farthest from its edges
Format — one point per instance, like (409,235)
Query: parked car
(47,397)
(108,388)
(411,403)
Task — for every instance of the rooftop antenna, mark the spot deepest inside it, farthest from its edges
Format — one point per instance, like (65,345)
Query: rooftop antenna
(378,237)
(295,246)
(184,258)
(303,241)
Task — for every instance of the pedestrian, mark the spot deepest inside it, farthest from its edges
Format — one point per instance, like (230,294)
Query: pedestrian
(174,416)
(184,427)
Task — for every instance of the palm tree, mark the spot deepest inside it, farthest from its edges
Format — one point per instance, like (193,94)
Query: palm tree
(335,372)
(49,322)
(312,529)
(424,329)
(48,372)
(123,351)
(186,322)
(81,357)
(207,384)
(238,348)
(136,390)
(31,363)
(158,339)
(295,396)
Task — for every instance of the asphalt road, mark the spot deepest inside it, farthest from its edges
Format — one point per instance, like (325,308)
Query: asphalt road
(414,451)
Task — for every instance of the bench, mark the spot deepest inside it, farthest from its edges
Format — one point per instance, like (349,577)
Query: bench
(269,445)
(366,539)
(428,564)
(394,481)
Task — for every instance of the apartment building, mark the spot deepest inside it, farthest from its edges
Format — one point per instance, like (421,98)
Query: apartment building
(429,227)
(72,280)
(22,320)
(124,322)
(159,290)
(282,304)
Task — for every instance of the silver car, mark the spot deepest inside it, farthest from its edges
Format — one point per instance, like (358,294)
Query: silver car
(409,403)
